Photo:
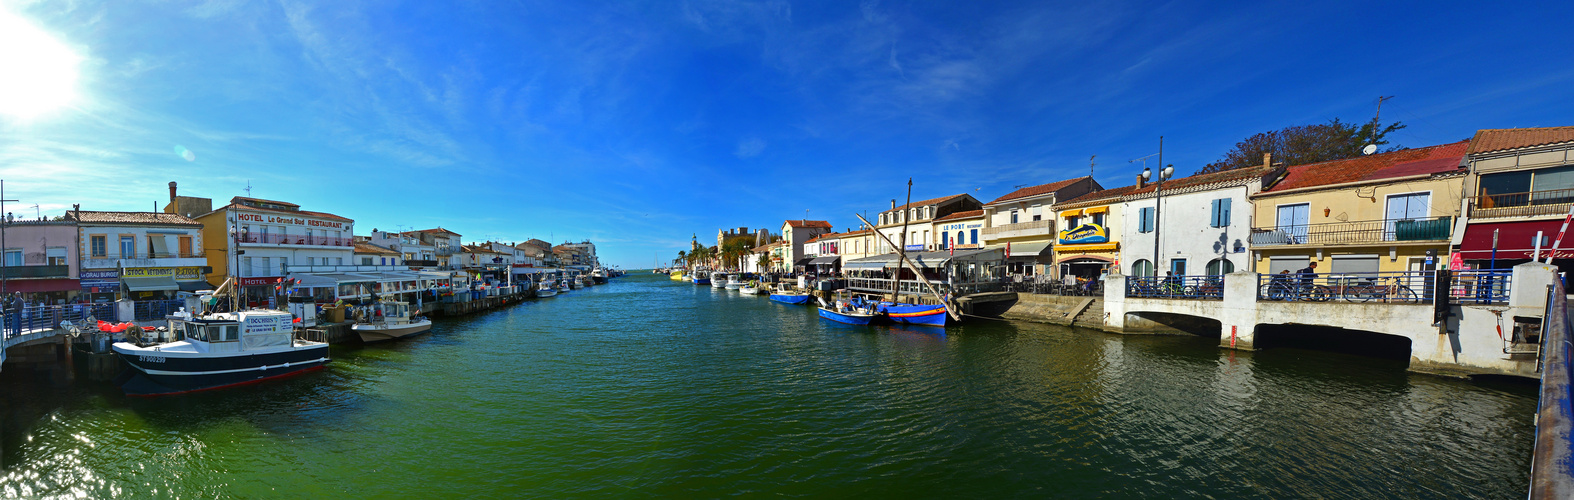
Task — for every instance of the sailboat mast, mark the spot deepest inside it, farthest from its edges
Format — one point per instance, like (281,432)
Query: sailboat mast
(901,250)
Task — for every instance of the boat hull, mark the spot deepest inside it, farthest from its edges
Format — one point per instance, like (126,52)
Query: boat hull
(701,281)
(373,333)
(546,292)
(790,299)
(933,315)
(840,317)
(169,375)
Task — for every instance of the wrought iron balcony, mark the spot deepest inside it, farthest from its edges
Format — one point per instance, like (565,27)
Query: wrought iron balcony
(293,239)
(1030,228)
(1356,232)
(1527,204)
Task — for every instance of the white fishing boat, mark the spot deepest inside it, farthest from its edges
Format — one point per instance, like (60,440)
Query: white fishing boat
(562,286)
(391,320)
(546,289)
(212,351)
(734,281)
(718,280)
(750,288)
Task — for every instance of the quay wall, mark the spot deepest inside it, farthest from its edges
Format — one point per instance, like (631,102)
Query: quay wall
(1056,310)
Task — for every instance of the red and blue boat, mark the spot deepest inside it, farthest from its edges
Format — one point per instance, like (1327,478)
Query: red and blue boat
(849,315)
(934,315)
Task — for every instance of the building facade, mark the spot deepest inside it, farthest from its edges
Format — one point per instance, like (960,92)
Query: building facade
(259,242)
(1518,189)
(42,261)
(1201,223)
(918,219)
(797,232)
(1025,219)
(1088,243)
(152,255)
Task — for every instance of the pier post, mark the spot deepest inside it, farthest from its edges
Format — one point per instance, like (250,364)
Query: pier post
(1115,303)
(1238,314)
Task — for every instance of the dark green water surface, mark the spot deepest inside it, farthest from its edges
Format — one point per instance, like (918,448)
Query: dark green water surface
(653,388)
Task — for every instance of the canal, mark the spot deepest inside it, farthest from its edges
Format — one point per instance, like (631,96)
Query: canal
(652,388)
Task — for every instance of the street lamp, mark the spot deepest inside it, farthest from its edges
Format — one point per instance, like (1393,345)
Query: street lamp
(1158,201)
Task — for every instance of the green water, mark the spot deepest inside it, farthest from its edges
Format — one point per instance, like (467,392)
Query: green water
(652,388)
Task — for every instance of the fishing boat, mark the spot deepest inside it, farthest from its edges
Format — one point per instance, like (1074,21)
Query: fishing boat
(850,312)
(574,283)
(546,289)
(718,280)
(391,320)
(734,281)
(562,286)
(699,278)
(218,350)
(676,275)
(788,295)
(915,314)
(750,288)
(599,276)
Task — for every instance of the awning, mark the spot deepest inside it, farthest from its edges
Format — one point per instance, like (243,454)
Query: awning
(194,286)
(314,280)
(829,259)
(43,285)
(1025,249)
(802,262)
(1071,213)
(1096,210)
(150,283)
(930,260)
(1090,247)
(1515,240)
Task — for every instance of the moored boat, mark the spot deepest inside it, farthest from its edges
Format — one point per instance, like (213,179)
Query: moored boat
(546,290)
(391,320)
(718,280)
(676,275)
(853,312)
(734,281)
(916,314)
(750,288)
(213,351)
(787,295)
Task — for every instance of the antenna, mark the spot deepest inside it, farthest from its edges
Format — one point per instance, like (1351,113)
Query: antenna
(248,189)
(1371,147)
(1091,164)
(1144,160)
(40,214)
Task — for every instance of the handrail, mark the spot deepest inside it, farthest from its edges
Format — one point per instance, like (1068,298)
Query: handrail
(1550,474)
(1406,229)
(1402,287)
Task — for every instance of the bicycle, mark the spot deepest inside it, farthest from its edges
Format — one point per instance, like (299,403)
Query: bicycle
(1386,289)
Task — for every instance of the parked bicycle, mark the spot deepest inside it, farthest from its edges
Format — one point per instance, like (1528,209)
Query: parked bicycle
(1385,289)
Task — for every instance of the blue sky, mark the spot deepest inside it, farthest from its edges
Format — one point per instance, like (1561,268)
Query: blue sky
(638,124)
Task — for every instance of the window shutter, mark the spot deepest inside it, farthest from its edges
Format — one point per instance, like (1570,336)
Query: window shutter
(1224,212)
(1213,214)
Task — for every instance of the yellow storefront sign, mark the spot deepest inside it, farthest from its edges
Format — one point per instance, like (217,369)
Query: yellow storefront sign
(179,273)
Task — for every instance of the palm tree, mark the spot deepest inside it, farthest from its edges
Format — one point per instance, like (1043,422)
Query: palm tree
(682,256)
(733,252)
(765,262)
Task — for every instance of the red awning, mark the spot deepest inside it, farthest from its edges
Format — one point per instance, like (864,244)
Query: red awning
(43,285)
(1515,240)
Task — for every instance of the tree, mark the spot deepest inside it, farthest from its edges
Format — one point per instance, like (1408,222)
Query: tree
(682,256)
(764,262)
(734,250)
(1303,144)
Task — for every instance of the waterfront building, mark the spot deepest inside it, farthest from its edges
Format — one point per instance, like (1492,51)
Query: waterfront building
(855,244)
(584,254)
(1385,212)
(757,237)
(42,261)
(1088,243)
(961,230)
(140,255)
(1025,220)
(412,251)
(369,254)
(1199,226)
(258,241)
(918,217)
(481,261)
(795,233)
(444,244)
(1519,188)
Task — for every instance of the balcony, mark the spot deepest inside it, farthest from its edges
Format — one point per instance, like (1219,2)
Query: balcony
(12,272)
(347,268)
(420,263)
(445,251)
(146,259)
(1528,204)
(1031,228)
(293,239)
(1428,229)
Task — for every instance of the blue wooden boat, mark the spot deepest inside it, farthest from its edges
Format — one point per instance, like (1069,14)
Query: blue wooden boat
(788,298)
(849,316)
(915,314)
(701,279)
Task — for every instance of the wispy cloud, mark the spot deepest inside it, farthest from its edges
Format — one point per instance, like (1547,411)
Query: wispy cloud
(749,148)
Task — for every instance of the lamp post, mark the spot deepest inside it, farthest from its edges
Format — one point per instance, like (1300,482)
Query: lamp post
(1158,200)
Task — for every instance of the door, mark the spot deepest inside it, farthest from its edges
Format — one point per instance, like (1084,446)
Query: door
(1287,263)
(1410,206)
(1293,220)
(1178,267)
(185,246)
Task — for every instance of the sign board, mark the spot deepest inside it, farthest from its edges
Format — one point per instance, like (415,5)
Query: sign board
(958,226)
(297,221)
(179,273)
(260,281)
(100,281)
(1085,233)
(915,248)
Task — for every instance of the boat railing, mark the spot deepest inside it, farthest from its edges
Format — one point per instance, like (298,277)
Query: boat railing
(311,335)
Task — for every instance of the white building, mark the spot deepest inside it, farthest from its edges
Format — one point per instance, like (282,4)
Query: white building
(1203,225)
(262,241)
(918,218)
(142,255)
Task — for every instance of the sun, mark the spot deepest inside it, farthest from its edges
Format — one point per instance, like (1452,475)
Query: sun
(38,73)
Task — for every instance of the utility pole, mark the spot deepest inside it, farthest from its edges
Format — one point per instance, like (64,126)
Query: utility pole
(901,251)
(1377,119)
(1091,164)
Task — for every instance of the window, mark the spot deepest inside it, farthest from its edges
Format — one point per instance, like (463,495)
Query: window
(1219,267)
(1073,222)
(1037,211)
(1013,216)
(337,260)
(1178,267)
(1145,220)
(1219,215)
(945,240)
(100,245)
(13,257)
(185,246)
(245,266)
(284,266)
(267,265)
(975,236)
(128,247)
(1142,267)
(1293,221)
(56,256)
(1098,219)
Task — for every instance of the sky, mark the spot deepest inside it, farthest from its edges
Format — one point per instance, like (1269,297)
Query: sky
(639,124)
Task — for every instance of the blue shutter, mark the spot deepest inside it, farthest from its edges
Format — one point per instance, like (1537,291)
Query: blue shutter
(1213,214)
(1224,212)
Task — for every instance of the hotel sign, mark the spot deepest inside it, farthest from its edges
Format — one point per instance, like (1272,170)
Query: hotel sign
(271,280)
(298,221)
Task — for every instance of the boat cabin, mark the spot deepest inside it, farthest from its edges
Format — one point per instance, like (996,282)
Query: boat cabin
(232,332)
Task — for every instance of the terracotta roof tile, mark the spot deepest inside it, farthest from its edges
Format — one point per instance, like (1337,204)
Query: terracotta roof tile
(1037,190)
(962,215)
(1105,195)
(364,247)
(931,201)
(438,229)
(809,223)
(1195,180)
(1364,167)
(1489,140)
(139,218)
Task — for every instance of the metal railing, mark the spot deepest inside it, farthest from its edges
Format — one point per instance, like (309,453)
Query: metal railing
(1404,287)
(147,310)
(1195,287)
(914,287)
(149,255)
(1550,476)
(1480,286)
(31,319)
(1415,229)
(37,271)
(1035,227)
(295,239)
(1530,203)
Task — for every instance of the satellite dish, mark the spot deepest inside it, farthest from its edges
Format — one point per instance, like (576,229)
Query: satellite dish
(1368,149)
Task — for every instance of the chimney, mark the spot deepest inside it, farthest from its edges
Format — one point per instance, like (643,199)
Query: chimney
(893,203)
(1267,159)
(172,191)
(1141,182)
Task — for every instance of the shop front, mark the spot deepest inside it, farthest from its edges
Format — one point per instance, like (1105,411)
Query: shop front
(100,285)
(1504,245)
(259,291)
(47,291)
(156,283)
(1087,261)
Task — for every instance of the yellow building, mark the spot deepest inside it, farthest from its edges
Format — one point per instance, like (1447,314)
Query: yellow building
(1088,243)
(1376,213)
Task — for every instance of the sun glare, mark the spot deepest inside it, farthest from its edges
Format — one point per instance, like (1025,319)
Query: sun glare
(37,72)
